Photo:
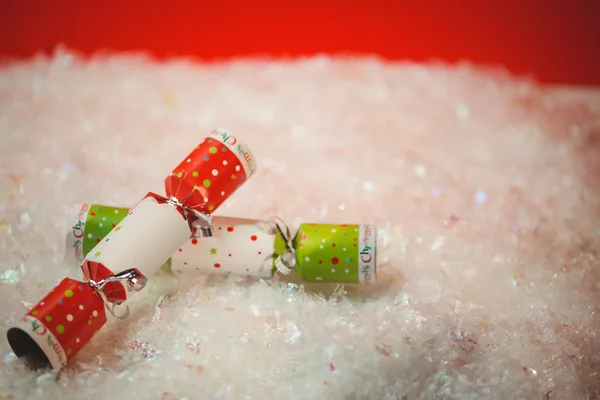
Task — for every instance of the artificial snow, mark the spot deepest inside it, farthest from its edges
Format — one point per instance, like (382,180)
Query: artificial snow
(485,188)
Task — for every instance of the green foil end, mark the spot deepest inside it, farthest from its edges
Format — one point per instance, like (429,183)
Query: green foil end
(336,253)
(99,222)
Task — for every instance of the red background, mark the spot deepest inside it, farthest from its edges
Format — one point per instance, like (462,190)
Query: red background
(556,40)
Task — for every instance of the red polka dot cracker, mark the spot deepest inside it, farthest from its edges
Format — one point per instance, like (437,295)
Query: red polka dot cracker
(211,173)
(138,244)
(56,328)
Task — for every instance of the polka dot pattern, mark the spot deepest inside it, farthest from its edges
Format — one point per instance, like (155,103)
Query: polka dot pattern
(65,313)
(327,253)
(213,173)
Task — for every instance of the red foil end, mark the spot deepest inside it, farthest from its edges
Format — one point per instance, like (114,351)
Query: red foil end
(211,173)
(58,327)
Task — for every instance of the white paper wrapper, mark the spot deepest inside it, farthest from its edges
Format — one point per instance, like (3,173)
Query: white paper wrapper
(145,239)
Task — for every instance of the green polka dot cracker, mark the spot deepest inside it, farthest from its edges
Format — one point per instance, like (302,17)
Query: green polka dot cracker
(336,253)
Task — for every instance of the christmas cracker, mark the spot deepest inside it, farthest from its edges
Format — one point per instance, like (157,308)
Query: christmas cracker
(122,259)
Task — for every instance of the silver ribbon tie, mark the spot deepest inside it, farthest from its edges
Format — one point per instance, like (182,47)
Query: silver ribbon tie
(200,224)
(134,282)
(286,261)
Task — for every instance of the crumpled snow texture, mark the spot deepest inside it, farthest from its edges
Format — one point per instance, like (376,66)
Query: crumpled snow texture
(485,188)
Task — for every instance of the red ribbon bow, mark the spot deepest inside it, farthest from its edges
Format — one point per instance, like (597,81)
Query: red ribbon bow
(109,286)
